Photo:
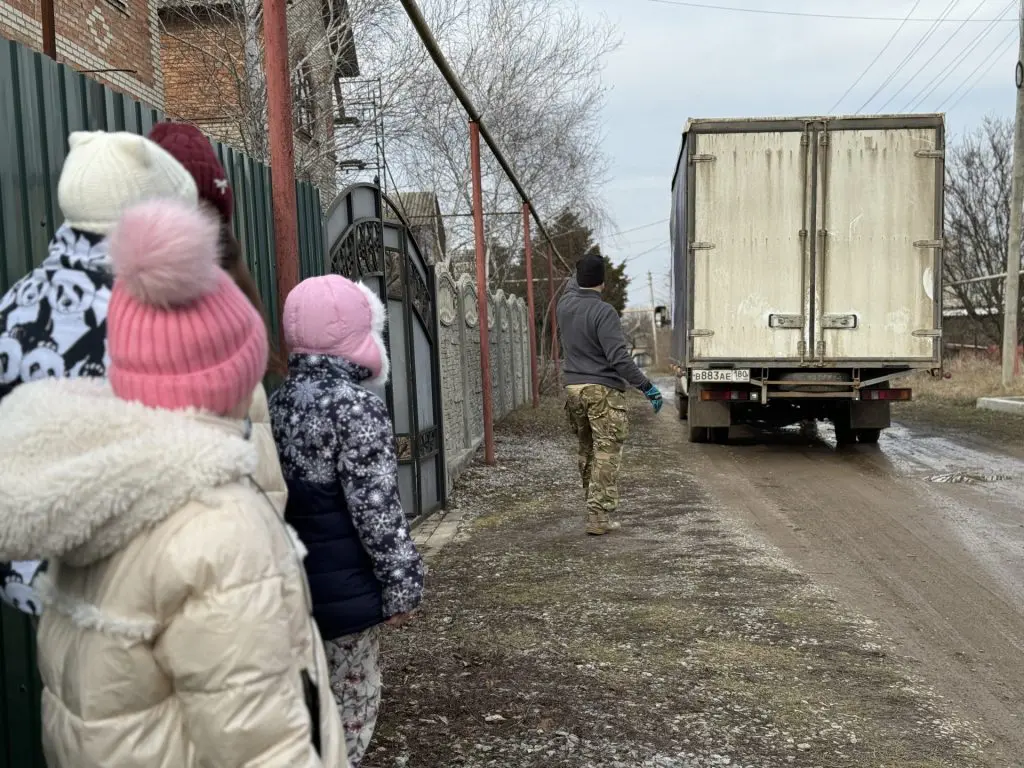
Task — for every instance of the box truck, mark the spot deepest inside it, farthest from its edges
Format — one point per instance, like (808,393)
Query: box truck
(806,270)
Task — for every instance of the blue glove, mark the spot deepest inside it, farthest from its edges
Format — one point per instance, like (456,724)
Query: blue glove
(654,395)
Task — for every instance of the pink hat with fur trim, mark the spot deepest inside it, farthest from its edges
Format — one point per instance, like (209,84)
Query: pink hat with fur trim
(180,333)
(331,315)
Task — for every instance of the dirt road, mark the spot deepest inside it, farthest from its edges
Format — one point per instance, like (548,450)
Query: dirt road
(924,533)
(681,641)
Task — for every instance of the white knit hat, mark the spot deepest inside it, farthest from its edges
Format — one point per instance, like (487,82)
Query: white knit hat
(105,173)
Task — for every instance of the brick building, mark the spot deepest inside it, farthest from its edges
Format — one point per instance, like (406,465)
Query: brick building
(115,41)
(423,214)
(208,52)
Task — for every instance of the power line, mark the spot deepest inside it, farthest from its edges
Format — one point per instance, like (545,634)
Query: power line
(878,56)
(801,14)
(913,52)
(946,72)
(635,256)
(932,58)
(1000,49)
(636,229)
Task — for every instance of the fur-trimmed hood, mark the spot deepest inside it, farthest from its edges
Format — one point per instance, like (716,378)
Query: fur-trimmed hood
(82,472)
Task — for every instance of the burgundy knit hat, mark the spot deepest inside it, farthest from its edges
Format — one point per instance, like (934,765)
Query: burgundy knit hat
(192,149)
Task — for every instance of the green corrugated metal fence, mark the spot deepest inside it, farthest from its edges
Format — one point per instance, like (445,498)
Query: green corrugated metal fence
(41,102)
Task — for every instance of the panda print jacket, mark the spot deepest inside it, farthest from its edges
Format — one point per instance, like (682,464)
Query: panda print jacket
(53,323)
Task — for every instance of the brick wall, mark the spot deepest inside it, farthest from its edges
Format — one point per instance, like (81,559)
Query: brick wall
(98,34)
(203,65)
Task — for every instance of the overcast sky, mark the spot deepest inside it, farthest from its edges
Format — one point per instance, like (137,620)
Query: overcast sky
(678,62)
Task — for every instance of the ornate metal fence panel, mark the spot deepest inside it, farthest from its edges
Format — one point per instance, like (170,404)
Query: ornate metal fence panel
(369,240)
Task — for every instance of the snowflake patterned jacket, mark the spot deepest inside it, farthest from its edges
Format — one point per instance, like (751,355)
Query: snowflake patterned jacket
(338,456)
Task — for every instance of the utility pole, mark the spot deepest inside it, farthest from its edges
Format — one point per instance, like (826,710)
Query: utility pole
(531,325)
(1012,292)
(654,322)
(482,293)
(49,22)
(282,150)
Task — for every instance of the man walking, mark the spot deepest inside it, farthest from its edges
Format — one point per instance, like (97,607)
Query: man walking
(597,368)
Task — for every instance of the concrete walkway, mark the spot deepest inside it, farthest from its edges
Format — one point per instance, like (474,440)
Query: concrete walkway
(436,531)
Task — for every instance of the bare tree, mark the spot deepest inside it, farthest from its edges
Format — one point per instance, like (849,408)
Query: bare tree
(978,181)
(533,68)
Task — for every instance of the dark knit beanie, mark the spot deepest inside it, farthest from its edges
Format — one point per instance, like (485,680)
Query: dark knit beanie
(590,271)
(192,149)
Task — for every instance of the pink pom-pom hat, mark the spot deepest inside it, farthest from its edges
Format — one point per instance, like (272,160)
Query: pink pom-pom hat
(180,333)
(331,315)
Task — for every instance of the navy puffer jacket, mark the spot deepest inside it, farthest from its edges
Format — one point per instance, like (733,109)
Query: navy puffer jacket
(338,458)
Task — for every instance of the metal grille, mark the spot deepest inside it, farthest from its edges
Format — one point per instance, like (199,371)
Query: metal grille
(370,241)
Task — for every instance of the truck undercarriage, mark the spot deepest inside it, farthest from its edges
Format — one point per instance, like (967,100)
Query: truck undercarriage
(856,401)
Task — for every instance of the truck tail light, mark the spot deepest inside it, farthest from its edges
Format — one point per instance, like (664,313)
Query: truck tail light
(886,394)
(729,394)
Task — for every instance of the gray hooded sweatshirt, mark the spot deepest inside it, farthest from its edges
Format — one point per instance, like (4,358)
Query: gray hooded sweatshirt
(593,343)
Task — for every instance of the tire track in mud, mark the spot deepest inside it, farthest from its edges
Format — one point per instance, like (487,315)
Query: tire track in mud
(938,564)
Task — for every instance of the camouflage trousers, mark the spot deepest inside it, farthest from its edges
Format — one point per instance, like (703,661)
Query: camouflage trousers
(597,416)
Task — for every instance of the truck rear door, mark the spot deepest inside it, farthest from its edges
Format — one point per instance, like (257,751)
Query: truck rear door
(749,245)
(877,255)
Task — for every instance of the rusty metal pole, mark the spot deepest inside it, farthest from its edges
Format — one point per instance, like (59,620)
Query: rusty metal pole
(553,321)
(482,293)
(282,149)
(49,23)
(532,324)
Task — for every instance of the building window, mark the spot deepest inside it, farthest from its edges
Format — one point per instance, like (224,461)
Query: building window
(303,101)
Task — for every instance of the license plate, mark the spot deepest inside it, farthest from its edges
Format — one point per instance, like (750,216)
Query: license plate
(723,376)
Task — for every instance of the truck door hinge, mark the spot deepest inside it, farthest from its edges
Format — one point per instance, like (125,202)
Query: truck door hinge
(805,139)
(694,159)
(927,333)
(930,154)
(823,139)
(819,348)
(839,322)
(701,246)
(801,348)
(700,333)
(929,243)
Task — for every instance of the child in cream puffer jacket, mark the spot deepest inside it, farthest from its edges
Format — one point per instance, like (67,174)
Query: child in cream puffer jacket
(177,629)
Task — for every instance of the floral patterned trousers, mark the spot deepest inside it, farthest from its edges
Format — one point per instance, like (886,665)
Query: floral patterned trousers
(354,662)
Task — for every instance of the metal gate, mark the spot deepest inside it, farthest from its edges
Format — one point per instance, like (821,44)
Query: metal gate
(368,240)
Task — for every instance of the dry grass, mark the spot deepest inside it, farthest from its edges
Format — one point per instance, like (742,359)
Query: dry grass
(971,378)
(951,404)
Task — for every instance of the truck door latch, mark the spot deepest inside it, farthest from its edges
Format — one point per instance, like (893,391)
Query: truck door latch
(791,322)
(839,322)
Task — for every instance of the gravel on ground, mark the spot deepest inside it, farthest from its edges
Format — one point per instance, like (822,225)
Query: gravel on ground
(680,641)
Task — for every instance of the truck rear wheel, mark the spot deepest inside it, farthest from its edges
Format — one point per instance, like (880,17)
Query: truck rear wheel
(682,406)
(845,434)
(719,435)
(868,436)
(698,434)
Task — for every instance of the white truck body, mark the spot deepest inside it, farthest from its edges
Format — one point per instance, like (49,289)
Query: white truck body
(808,244)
